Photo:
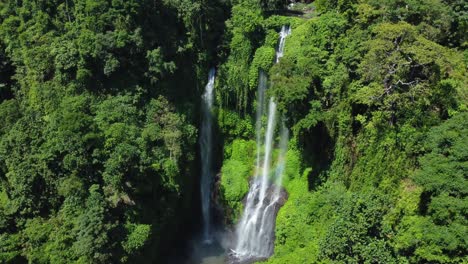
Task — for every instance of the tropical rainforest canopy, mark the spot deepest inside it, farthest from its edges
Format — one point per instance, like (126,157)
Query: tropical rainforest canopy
(100,112)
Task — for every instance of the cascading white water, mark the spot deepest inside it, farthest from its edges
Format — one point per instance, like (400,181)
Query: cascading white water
(268,147)
(285,31)
(255,231)
(262,85)
(206,155)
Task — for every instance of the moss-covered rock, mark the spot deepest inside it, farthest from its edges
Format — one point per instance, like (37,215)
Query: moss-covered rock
(235,173)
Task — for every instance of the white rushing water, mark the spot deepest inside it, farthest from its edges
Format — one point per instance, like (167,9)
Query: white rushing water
(285,32)
(255,231)
(206,156)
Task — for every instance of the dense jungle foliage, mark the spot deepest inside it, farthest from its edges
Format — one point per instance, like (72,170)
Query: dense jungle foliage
(98,126)
(375,93)
(99,109)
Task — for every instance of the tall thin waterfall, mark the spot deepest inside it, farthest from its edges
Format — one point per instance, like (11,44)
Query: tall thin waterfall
(206,155)
(255,231)
(285,31)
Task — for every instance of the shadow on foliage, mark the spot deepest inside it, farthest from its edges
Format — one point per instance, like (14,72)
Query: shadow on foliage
(318,153)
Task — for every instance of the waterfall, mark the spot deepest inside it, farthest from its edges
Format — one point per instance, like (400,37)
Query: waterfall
(206,155)
(262,85)
(255,231)
(285,31)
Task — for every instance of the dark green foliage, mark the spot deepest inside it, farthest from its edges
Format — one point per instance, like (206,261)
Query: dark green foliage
(9,114)
(96,134)
(355,235)
(92,242)
(438,233)
(443,168)
(98,102)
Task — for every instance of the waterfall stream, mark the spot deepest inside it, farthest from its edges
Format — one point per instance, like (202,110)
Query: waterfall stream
(206,156)
(255,231)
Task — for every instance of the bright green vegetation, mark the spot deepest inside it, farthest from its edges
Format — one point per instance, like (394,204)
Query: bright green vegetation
(376,96)
(99,105)
(236,172)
